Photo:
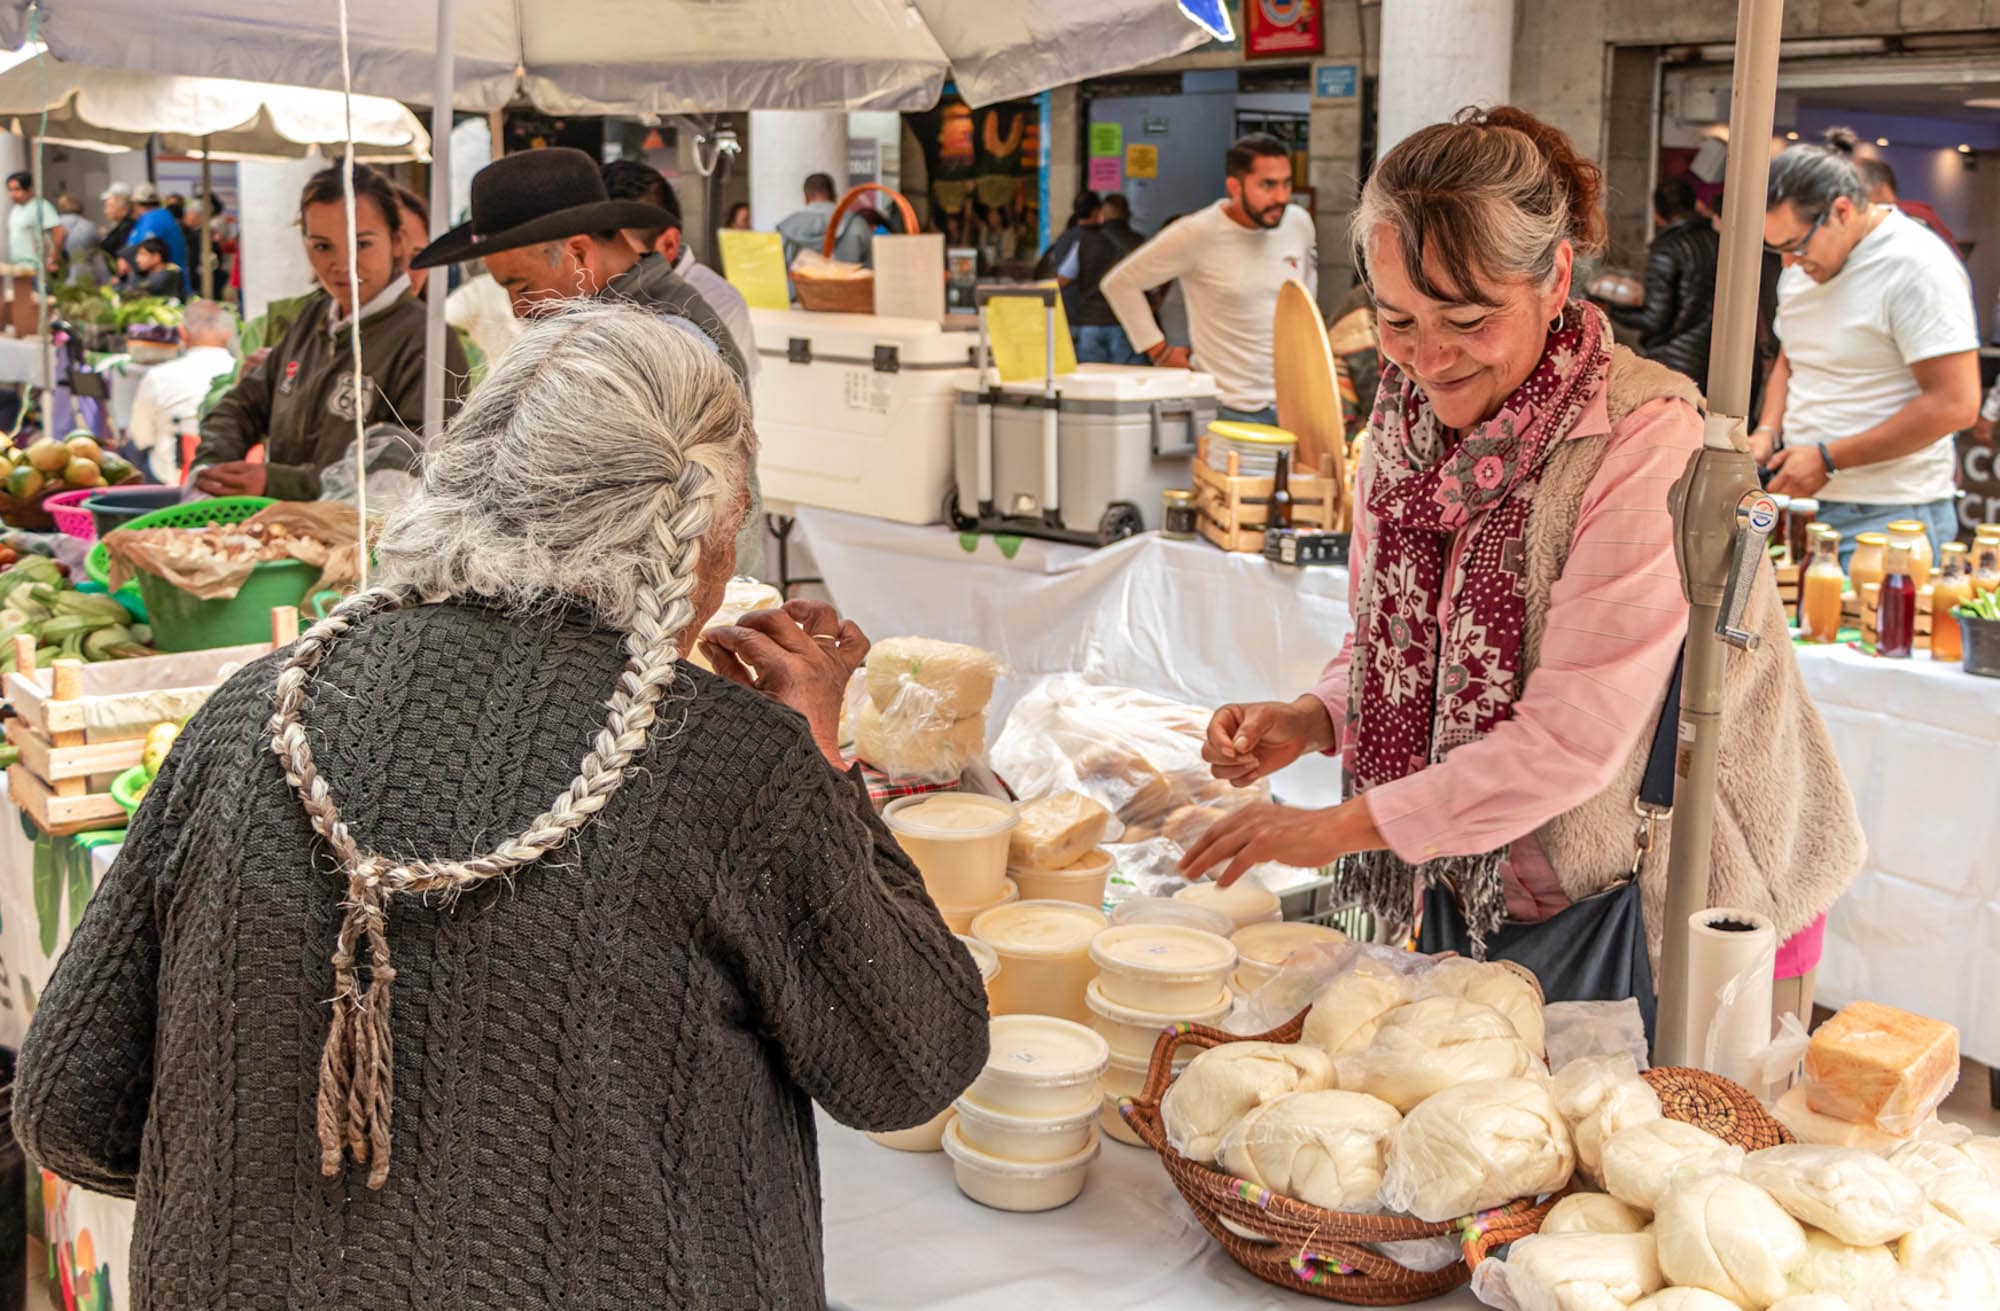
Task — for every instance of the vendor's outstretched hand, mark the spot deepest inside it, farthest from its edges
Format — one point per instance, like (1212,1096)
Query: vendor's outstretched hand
(236,478)
(1248,742)
(802,656)
(1305,839)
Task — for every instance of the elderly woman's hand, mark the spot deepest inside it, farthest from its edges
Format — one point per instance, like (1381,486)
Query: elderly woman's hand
(1305,839)
(1247,742)
(802,656)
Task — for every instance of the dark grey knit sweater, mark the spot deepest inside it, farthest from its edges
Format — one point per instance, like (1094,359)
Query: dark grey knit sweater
(604,1070)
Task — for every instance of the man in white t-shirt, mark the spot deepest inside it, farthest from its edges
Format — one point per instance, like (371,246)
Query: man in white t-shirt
(1879,366)
(172,393)
(1231,259)
(29,224)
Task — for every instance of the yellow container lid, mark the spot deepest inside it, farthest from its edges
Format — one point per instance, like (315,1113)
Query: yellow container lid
(1256,434)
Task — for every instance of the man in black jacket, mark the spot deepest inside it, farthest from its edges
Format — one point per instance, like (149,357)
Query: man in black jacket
(1678,318)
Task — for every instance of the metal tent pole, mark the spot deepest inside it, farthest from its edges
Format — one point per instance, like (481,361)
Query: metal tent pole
(441,221)
(206,278)
(1722,519)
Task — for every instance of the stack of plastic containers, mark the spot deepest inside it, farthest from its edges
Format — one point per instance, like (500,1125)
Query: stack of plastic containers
(1023,1137)
(1152,975)
(929,1136)
(1081,883)
(958,842)
(1245,901)
(1264,948)
(1044,951)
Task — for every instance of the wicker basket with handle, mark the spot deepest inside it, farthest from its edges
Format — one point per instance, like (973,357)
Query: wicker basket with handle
(855,292)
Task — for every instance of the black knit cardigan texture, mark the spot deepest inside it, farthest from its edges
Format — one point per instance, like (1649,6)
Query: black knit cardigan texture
(604,1067)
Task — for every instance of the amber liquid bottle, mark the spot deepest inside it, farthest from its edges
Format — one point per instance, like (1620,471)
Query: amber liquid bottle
(1819,597)
(1281,494)
(1951,586)
(1896,614)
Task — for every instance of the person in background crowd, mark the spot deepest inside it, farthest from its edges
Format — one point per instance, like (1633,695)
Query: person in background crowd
(1880,179)
(80,235)
(153,272)
(1099,337)
(1084,214)
(550,235)
(118,219)
(739,217)
(806,230)
(300,401)
(620,922)
(480,308)
(1676,321)
(171,393)
(1117,224)
(1879,361)
(1231,259)
(633,180)
(417,232)
(34,228)
(154,221)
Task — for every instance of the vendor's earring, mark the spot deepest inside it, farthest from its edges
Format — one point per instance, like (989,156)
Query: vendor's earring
(1555,324)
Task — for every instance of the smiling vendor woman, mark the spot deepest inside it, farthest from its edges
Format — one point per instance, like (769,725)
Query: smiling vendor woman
(299,402)
(1516,602)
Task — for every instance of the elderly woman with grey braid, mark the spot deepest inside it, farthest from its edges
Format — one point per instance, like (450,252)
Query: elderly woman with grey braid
(391,1002)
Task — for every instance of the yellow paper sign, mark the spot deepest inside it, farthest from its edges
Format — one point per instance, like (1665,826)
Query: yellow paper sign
(754,263)
(1017,328)
(1142,162)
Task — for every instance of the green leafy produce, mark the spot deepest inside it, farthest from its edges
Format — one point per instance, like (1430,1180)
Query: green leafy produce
(37,602)
(1984,606)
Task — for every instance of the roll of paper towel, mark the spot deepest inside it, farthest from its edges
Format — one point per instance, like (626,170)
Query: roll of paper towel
(1731,957)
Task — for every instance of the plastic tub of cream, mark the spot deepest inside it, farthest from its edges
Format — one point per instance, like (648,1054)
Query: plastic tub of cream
(1132,1034)
(1016,1185)
(958,842)
(1033,1141)
(926,1137)
(1162,968)
(1038,1067)
(1165,910)
(1082,883)
(1263,949)
(1114,1126)
(1245,901)
(1127,1078)
(983,957)
(959,918)
(1044,950)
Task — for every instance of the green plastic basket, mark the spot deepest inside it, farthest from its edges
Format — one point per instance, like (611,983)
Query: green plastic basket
(129,788)
(194,514)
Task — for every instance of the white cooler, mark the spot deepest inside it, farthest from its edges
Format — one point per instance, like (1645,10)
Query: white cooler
(1123,435)
(854,412)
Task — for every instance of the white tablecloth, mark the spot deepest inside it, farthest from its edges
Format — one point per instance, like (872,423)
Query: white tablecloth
(900,1237)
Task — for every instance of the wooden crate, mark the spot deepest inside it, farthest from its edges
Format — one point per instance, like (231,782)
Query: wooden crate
(1788,591)
(1234,508)
(1871,607)
(78,726)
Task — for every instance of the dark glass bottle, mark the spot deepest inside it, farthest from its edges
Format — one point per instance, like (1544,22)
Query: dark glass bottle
(1281,493)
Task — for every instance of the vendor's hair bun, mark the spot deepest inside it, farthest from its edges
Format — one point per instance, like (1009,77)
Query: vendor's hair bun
(1842,139)
(1579,177)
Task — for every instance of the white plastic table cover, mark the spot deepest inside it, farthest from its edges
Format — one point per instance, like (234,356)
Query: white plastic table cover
(900,1237)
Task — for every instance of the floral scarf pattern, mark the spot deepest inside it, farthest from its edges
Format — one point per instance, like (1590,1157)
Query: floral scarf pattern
(1437,659)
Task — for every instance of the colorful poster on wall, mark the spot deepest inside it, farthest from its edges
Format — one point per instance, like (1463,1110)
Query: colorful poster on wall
(1142,162)
(1283,28)
(1106,174)
(1107,140)
(981,168)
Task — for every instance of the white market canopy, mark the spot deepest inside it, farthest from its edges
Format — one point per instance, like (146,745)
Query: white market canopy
(637,57)
(116,109)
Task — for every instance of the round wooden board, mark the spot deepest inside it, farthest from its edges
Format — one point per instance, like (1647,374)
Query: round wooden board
(1302,366)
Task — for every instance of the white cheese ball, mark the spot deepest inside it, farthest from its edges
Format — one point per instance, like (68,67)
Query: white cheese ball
(1857,1197)
(1831,1266)
(1933,1232)
(1730,1237)
(1439,1043)
(1640,1163)
(1813,1302)
(1600,1096)
(1962,1274)
(1475,1147)
(1223,1084)
(1348,1011)
(1582,1272)
(1593,1213)
(1955,1182)
(1327,1149)
(1506,988)
(1688,1299)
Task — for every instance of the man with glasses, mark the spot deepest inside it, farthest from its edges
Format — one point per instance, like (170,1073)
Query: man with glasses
(1879,366)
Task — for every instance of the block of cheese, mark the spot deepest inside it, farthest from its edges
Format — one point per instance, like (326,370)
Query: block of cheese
(1876,1065)
(920,751)
(918,677)
(1809,1126)
(1056,831)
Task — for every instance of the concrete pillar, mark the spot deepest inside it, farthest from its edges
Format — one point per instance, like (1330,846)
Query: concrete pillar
(785,146)
(1439,56)
(274,258)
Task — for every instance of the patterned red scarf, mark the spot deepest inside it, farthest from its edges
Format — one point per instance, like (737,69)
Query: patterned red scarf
(1420,687)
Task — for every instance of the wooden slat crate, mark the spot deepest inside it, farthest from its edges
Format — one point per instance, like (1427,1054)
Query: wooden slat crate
(1233,508)
(78,726)
(1871,606)
(1788,591)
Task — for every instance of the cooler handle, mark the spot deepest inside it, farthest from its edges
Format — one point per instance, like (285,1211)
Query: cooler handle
(1175,409)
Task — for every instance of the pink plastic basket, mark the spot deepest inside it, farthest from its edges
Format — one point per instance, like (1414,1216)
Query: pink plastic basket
(66,508)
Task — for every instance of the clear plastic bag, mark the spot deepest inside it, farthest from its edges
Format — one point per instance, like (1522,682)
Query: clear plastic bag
(1307,973)
(1876,1065)
(1600,1096)
(917,711)
(1550,1272)
(394,465)
(1581,1029)
(1323,1148)
(1477,1146)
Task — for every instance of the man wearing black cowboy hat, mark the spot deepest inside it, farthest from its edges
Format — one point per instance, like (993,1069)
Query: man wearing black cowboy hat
(542,222)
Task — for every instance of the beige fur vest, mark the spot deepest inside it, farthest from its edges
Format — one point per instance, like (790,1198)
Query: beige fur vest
(1787,841)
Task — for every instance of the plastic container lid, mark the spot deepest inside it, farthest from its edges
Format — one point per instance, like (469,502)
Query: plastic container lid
(1038,928)
(1010,892)
(956,1148)
(1022,1123)
(1093,997)
(1166,953)
(1165,910)
(951,816)
(1042,1051)
(982,955)
(1273,943)
(1245,901)
(1256,434)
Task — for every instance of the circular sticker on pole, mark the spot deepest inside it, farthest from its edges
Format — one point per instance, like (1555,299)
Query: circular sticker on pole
(1763,513)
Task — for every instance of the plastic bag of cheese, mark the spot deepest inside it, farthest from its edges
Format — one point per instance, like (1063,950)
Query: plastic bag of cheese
(922,681)
(1877,1065)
